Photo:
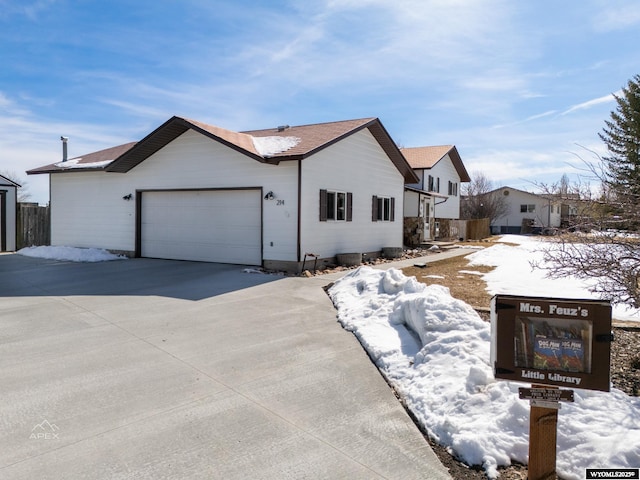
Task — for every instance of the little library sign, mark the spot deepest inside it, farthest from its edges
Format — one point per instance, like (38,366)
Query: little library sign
(557,342)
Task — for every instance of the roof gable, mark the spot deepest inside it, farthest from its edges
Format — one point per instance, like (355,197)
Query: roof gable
(422,158)
(537,196)
(172,129)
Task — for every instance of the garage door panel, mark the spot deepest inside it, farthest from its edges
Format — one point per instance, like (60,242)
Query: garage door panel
(215,226)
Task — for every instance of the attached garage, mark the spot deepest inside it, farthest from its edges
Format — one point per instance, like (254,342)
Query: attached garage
(198,192)
(223,226)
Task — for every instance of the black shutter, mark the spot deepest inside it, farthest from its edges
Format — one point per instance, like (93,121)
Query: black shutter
(392,213)
(349,207)
(323,205)
(374,209)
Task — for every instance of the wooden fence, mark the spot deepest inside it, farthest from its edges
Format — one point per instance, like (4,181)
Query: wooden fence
(33,225)
(478,229)
(464,229)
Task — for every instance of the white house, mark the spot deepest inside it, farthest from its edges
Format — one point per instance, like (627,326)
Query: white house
(525,211)
(436,196)
(8,206)
(198,192)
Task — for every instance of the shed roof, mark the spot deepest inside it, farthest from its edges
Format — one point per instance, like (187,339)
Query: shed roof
(421,158)
(298,142)
(8,182)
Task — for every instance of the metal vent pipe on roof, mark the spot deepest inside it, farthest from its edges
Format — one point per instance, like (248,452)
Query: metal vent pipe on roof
(64,148)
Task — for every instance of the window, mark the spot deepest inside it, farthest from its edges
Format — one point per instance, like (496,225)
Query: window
(430,184)
(527,208)
(438,184)
(383,209)
(335,206)
(453,189)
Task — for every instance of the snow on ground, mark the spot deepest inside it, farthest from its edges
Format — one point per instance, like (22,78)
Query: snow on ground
(514,275)
(434,350)
(71,254)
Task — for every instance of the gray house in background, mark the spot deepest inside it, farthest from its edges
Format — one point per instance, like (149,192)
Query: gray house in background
(526,211)
(8,206)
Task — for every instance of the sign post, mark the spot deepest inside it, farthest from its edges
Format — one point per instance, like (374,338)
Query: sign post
(543,431)
(551,343)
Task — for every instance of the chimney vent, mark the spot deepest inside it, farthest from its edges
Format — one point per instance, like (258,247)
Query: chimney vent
(64,148)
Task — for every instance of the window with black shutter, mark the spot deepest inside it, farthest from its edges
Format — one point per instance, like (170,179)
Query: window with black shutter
(383,209)
(336,206)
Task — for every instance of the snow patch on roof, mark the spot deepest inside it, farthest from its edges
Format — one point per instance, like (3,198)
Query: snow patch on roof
(269,146)
(75,163)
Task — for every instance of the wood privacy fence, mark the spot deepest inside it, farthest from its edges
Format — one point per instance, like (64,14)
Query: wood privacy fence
(33,225)
(476,229)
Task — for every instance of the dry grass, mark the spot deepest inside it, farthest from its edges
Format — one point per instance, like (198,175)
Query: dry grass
(464,286)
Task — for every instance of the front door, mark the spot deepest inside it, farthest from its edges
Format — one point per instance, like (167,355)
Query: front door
(425,207)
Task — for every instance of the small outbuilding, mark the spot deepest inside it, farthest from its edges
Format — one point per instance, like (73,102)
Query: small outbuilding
(8,209)
(192,191)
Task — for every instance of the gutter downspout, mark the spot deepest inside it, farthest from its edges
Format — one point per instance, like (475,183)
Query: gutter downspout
(299,234)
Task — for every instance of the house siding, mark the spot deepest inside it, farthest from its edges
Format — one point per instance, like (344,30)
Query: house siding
(356,165)
(88,209)
(446,171)
(411,204)
(512,221)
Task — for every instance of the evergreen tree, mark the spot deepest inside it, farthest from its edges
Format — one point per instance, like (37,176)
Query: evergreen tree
(612,260)
(622,138)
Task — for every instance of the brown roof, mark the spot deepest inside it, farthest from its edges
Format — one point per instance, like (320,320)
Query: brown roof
(426,157)
(89,161)
(311,139)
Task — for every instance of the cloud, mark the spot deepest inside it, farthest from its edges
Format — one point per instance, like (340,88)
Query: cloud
(30,10)
(591,103)
(614,16)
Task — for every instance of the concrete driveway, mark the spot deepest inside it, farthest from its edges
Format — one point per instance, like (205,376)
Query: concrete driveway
(161,369)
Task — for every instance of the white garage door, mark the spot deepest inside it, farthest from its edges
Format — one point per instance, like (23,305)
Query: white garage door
(212,226)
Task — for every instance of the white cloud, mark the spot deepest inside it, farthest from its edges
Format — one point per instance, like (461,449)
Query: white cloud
(615,16)
(591,103)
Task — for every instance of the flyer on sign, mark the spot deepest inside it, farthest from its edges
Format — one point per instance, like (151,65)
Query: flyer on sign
(551,344)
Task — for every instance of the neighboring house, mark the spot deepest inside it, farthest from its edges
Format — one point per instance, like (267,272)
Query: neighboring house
(526,211)
(8,207)
(198,192)
(435,198)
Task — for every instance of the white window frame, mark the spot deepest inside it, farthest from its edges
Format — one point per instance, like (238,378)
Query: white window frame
(384,209)
(333,210)
(530,208)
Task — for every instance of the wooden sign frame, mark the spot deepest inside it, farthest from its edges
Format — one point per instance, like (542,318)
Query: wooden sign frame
(547,341)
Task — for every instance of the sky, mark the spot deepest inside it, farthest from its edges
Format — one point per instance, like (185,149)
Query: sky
(522,88)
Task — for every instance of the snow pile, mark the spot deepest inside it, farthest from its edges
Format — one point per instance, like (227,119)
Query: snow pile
(514,274)
(434,350)
(74,163)
(71,254)
(269,146)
